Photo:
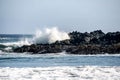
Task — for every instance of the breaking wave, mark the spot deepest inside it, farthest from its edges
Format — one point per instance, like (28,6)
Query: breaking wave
(49,35)
(61,73)
(18,43)
(8,46)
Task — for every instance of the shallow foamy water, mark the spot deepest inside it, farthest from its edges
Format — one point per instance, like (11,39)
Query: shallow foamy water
(60,66)
(61,73)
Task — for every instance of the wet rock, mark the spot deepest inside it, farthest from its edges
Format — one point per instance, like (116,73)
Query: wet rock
(95,42)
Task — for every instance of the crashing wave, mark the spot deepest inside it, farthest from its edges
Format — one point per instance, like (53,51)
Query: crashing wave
(61,73)
(50,35)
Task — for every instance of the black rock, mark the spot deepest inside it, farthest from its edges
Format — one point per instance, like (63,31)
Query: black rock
(95,42)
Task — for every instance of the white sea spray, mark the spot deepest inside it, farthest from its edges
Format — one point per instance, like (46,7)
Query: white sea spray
(50,35)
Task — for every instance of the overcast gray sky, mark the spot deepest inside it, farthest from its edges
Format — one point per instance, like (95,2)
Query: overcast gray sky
(25,16)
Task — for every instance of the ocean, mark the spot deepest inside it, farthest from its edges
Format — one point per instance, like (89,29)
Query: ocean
(53,66)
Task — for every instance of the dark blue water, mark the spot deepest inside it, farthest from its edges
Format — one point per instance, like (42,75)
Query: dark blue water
(13,37)
(47,60)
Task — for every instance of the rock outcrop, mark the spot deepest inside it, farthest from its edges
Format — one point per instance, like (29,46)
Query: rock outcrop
(95,42)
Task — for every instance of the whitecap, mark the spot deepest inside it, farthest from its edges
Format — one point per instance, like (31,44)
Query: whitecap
(61,73)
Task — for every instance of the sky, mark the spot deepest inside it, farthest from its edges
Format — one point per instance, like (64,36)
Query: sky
(27,16)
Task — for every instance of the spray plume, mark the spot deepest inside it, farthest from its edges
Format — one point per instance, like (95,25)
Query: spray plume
(50,35)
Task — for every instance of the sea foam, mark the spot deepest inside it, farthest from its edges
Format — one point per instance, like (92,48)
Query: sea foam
(61,73)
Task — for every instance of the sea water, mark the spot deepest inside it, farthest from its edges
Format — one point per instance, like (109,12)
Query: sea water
(54,66)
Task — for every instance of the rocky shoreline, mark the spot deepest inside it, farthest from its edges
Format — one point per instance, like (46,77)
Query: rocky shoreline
(95,42)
